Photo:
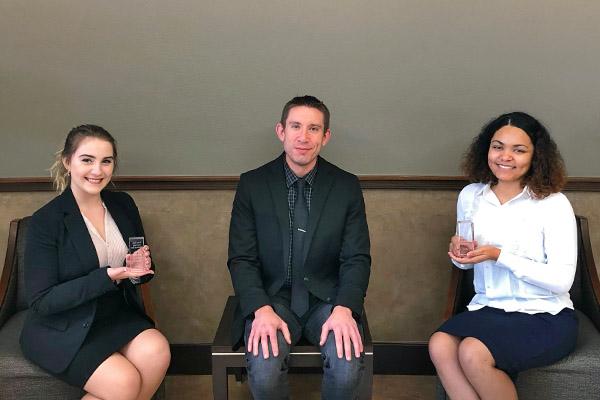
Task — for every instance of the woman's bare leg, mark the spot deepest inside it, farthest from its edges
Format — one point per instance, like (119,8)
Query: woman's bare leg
(150,353)
(443,350)
(115,379)
(480,369)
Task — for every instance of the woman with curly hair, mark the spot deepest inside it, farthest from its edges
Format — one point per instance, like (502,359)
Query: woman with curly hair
(524,263)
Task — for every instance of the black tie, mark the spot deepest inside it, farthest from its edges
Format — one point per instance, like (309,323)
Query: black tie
(299,291)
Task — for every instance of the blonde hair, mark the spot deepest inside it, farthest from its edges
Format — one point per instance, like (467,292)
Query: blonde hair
(59,173)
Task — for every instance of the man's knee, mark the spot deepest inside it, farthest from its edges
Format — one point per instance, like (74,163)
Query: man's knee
(345,373)
(267,377)
(259,364)
(265,374)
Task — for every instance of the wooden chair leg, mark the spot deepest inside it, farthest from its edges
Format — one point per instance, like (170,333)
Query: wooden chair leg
(240,374)
(219,379)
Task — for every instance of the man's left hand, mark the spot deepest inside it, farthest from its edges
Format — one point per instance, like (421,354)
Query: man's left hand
(345,330)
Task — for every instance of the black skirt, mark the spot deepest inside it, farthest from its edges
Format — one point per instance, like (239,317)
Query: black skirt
(115,324)
(518,341)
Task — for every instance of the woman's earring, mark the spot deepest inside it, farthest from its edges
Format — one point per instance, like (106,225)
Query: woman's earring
(68,173)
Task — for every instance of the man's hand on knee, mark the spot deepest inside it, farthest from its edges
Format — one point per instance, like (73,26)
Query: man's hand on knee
(264,330)
(345,330)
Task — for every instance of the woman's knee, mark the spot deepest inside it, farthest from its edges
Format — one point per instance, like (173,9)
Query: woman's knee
(443,348)
(474,355)
(160,348)
(155,348)
(116,379)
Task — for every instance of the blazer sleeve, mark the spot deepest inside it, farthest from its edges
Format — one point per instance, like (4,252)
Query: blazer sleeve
(243,261)
(46,293)
(355,258)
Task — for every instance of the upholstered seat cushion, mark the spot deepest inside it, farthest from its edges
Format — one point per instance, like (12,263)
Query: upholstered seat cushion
(572,378)
(18,375)
(576,374)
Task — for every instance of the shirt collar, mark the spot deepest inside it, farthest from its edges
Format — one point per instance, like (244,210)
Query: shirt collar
(291,178)
(487,193)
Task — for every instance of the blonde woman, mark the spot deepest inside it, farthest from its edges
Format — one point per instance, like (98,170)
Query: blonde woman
(85,324)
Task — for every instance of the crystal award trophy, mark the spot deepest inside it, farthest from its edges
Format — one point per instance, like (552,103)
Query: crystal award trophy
(135,243)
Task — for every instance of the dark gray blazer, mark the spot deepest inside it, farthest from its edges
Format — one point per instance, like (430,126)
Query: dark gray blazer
(63,278)
(337,251)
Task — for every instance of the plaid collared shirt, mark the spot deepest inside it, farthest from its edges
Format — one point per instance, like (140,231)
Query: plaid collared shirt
(290,180)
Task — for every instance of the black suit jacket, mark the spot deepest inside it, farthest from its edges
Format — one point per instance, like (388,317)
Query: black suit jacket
(337,257)
(63,278)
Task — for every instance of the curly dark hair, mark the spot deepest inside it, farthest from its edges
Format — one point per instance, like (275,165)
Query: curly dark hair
(547,173)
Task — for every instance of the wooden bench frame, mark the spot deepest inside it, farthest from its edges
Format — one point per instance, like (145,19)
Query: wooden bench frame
(304,355)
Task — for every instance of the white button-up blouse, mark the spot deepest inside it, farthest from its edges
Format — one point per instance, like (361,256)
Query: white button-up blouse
(112,251)
(537,239)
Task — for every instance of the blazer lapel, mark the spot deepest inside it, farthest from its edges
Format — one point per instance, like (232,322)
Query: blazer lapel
(278,188)
(78,232)
(322,186)
(120,217)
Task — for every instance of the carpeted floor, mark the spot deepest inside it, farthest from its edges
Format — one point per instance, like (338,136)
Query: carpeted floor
(304,387)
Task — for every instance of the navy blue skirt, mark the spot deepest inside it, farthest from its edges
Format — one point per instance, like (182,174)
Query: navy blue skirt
(115,324)
(518,341)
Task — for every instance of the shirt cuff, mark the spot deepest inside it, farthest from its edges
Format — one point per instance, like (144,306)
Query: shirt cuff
(509,261)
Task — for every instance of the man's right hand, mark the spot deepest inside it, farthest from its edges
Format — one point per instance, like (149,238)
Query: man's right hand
(264,330)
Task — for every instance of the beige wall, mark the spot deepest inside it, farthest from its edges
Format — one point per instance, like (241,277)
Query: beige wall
(409,82)
(188,234)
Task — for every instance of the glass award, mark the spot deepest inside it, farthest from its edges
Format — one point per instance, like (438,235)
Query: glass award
(135,243)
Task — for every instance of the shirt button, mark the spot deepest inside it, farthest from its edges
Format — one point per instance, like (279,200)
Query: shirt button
(328,299)
(86,324)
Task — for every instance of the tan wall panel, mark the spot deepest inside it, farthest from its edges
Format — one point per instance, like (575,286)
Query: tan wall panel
(410,269)
(187,231)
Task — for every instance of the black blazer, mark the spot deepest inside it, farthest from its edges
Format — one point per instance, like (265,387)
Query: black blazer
(337,251)
(63,278)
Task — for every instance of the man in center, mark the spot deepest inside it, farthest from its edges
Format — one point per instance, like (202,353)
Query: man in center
(299,258)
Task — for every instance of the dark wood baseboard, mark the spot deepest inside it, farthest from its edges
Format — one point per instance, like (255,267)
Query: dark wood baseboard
(190,359)
(389,358)
(41,184)
(402,358)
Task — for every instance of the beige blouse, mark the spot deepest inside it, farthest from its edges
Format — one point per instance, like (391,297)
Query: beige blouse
(112,251)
